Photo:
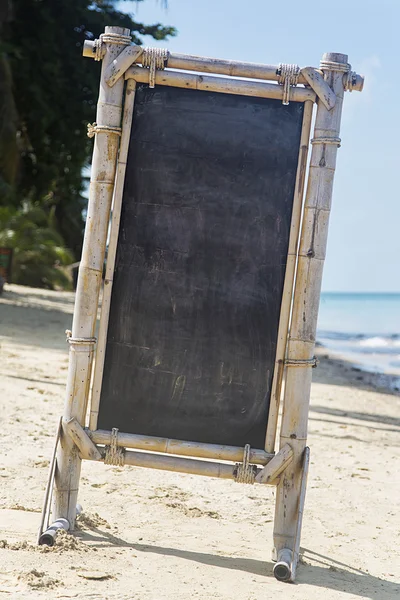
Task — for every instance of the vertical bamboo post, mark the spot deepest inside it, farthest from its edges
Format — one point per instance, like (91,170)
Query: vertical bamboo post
(112,252)
(305,308)
(270,438)
(106,142)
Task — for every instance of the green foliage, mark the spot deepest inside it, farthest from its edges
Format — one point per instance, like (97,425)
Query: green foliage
(9,155)
(48,94)
(39,251)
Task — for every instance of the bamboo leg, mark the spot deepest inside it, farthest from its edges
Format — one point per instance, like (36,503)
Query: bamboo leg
(305,306)
(49,487)
(302,499)
(109,109)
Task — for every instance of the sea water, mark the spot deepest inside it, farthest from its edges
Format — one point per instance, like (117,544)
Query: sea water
(364,328)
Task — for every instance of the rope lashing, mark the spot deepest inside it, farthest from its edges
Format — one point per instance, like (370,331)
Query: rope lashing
(349,77)
(98,49)
(330,65)
(245,472)
(79,341)
(154,58)
(333,141)
(116,38)
(349,80)
(114,455)
(93,128)
(288,75)
(109,38)
(299,362)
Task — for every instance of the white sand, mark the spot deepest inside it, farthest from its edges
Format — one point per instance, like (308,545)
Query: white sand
(168,536)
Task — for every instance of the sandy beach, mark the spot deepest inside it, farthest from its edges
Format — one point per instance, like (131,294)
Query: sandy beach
(147,534)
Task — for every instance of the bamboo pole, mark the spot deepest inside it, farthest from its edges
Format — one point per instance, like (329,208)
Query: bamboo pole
(302,500)
(45,516)
(89,279)
(285,567)
(112,252)
(187,62)
(306,301)
(276,466)
(220,84)
(217,66)
(117,68)
(180,448)
(87,449)
(178,464)
(287,293)
(316,80)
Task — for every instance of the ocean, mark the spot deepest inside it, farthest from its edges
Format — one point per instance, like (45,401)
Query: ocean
(364,328)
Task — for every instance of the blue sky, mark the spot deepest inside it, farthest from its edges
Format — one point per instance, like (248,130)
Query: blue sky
(364,246)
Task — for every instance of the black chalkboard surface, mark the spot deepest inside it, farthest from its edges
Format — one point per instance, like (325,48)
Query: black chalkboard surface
(200,266)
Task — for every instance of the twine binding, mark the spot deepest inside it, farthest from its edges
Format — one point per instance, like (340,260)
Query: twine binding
(154,59)
(288,76)
(309,362)
(114,455)
(93,128)
(245,472)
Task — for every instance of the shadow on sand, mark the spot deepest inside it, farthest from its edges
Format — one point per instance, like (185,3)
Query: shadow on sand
(327,573)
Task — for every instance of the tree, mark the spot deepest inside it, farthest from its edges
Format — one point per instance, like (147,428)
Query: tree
(49,93)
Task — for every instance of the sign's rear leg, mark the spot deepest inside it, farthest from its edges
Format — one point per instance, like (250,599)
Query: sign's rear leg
(287,556)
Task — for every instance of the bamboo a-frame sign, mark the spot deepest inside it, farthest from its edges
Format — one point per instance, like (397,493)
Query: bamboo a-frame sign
(213,273)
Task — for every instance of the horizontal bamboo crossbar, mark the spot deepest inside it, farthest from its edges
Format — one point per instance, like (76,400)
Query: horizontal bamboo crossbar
(218,66)
(203,64)
(220,84)
(177,464)
(179,447)
(233,68)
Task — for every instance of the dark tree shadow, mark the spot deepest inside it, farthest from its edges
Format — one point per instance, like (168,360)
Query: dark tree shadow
(36,319)
(328,573)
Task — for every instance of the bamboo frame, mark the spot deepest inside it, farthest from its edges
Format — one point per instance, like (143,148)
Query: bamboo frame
(180,448)
(288,468)
(220,84)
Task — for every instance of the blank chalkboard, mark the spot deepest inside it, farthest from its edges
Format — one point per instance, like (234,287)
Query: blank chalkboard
(200,266)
